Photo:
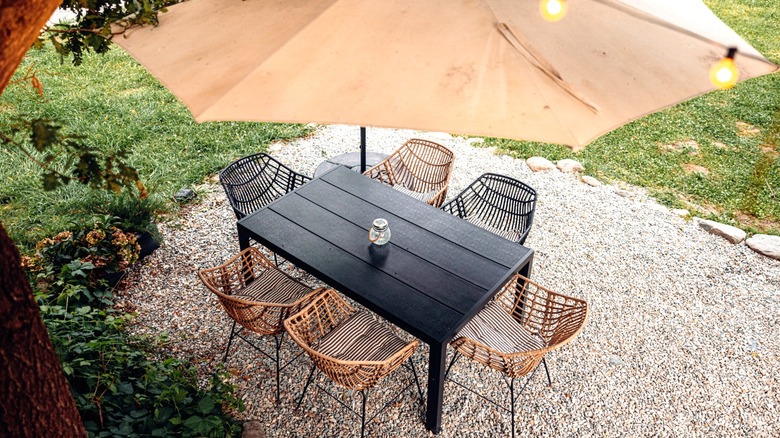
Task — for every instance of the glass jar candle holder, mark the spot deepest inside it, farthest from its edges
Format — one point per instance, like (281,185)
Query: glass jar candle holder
(379,233)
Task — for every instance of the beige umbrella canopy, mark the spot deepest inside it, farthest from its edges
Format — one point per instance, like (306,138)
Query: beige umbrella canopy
(479,67)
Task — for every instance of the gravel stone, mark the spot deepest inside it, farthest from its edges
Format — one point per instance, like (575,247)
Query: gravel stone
(682,339)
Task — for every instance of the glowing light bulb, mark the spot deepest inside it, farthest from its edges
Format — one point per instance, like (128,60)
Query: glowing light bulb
(724,73)
(552,10)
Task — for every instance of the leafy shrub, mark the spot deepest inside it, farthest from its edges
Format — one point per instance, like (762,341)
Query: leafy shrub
(133,213)
(83,256)
(120,390)
(121,386)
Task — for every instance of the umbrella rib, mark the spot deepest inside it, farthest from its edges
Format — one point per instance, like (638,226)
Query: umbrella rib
(638,13)
(538,61)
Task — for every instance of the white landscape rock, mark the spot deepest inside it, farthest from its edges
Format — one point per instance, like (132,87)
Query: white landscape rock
(765,244)
(538,164)
(681,212)
(732,234)
(593,182)
(570,166)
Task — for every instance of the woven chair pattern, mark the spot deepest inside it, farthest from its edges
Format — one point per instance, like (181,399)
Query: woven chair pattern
(420,166)
(498,203)
(252,182)
(235,275)
(324,314)
(555,318)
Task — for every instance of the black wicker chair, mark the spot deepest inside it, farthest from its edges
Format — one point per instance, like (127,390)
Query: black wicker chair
(252,182)
(497,203)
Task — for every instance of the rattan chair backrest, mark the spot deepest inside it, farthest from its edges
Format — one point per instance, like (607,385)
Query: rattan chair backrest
(326,312)
(419,165)
(229,279)
(252,182)
(499,202)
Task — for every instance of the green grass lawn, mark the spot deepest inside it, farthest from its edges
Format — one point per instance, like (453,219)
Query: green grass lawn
(113,103)
(717,155)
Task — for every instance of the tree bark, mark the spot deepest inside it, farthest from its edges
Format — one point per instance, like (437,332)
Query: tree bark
(36,399)
(20,23)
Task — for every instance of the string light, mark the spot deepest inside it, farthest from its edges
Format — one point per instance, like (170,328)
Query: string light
(724,73)
(552,10)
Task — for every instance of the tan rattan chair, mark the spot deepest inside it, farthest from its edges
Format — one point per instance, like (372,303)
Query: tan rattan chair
(258,296)
(419,168)
(351,347)
(514,332)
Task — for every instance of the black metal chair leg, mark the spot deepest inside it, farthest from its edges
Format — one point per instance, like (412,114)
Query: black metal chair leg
(230,341)
(512,401)
(549,381)
(416,380)
(452,362)
(306,386)
(278,347)
(363,415)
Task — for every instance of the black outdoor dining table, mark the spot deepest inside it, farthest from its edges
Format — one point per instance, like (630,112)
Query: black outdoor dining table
(433,276)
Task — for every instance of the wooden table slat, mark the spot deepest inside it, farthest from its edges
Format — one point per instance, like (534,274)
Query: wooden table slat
(429,246)
(417,273)
(378,291)
(456,229)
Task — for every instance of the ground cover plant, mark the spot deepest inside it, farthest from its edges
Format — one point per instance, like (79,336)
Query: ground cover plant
(111,103)
(717,155)
(122,387)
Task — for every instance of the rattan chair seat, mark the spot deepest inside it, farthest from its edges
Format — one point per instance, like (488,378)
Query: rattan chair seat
(420,196)
(258,296)
(515,331)
(351,347)
(360,338)
(273,287)
(509,234)
(555,318)
(495,328)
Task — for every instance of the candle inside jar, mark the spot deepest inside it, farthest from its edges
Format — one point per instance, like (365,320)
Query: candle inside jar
(379,233)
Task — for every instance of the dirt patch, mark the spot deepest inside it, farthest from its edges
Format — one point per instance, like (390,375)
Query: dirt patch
(724,146)
(695,168)
(690,147)
(700,206)
(747,130)
(769,150)
(764,225)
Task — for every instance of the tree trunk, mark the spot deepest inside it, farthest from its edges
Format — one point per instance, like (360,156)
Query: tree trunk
(36,399)
(20,23)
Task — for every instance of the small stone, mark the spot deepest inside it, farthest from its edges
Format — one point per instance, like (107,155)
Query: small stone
(475,140)
(570,166)
(615,360)
(253,429)
(538,164)
(593,182)
(765,244)
(623,193)
(184,195)
(681,212)
(732,234)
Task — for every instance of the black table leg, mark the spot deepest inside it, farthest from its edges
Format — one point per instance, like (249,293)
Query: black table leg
(438,355)
(243,240)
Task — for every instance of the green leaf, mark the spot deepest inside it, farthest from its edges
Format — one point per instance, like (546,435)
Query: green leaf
(206,405)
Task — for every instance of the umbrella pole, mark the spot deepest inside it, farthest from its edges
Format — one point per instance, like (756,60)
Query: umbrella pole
(362,149)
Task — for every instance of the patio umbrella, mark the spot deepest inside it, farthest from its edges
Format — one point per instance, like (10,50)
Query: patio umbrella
(480,67)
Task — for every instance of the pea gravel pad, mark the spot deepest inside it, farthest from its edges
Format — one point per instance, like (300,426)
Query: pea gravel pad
(683,337)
